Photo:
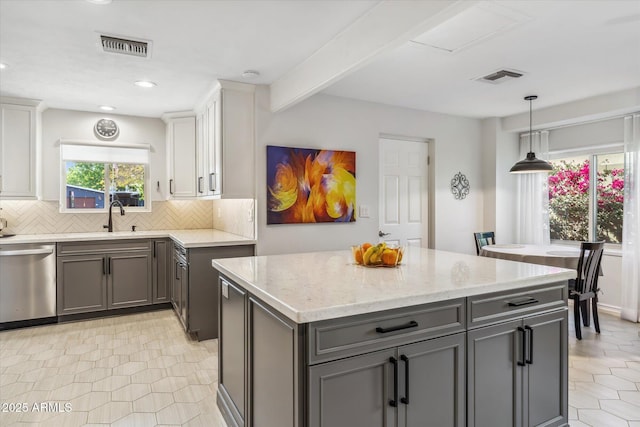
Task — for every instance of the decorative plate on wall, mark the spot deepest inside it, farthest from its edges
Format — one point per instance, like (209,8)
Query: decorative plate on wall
(460,186)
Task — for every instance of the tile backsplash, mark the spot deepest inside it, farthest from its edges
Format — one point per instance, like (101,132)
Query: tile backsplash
(39,217)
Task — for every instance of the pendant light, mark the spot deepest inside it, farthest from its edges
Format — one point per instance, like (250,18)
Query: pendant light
(531,164)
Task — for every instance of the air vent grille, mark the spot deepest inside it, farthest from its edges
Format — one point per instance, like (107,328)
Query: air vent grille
(124,46)
(500,76)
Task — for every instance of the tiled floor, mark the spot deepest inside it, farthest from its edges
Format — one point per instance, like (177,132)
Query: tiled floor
(604,374)
(136,370)
(141,370)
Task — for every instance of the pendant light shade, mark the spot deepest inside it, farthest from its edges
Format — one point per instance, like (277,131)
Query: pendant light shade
(531,164)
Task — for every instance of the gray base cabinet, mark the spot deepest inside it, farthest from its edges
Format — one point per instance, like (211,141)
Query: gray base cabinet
(194,292)
(517,371)
(96,276)
(491,360)
(161,271)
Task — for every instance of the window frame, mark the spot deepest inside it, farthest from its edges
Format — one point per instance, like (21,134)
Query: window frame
(591,152)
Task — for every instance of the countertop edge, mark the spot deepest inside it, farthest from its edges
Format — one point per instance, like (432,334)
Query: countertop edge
(181,237)
(339,311)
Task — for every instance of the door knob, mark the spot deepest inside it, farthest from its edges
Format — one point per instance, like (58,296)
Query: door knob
(382,234)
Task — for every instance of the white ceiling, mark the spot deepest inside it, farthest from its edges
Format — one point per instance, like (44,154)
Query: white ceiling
(568,49)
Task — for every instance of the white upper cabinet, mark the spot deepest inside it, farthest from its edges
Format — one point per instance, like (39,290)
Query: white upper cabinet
(226,166)
(19,127)
(181,155)
(235,146)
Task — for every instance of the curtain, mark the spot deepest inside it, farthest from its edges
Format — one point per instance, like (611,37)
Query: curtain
(631,221)
(533,195)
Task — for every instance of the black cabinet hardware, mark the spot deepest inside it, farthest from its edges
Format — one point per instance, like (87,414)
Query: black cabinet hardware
(394,401)
(171,186)
(411,324)
(523,301)
(405,399)
(200,184)
(524,346)
(530,359)
(212,182)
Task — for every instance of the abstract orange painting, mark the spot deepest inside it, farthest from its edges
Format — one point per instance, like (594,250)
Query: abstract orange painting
(307,185)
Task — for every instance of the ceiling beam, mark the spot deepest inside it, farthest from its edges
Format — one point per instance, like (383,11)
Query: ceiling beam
(384,27)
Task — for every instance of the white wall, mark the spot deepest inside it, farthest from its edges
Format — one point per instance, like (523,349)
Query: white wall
(78,125)
(331,122)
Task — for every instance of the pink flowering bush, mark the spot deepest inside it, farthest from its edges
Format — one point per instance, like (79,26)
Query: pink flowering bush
(569,202)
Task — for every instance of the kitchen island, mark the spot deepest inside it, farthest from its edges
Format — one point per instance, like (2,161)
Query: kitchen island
(313,340)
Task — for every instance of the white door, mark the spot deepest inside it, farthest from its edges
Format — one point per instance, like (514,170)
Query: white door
(403,192)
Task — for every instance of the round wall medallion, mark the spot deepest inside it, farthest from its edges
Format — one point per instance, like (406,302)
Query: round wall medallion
(460,186)
(106,129)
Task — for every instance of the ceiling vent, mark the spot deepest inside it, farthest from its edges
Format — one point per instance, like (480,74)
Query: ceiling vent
(125,46)
(500,76)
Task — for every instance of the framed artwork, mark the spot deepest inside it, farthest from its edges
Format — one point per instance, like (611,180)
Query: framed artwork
(307,185)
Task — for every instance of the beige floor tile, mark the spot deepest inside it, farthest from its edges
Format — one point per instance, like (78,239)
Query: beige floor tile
(614,382)
(136,419)
(54,382)
(169,384)
(600,418)
(148,354)
(626,373)
(162,362)
(109,412)
(112,361)
(148,376)
(153,402)
(622,409)
(130,392)
(630,396)
(91,400)
(129,368)
(111,383)
(23,366)
(183,369)
(76,367)
(92,375)
(71,391)
(71,419)
(178,413)
(62,360)
(192,393)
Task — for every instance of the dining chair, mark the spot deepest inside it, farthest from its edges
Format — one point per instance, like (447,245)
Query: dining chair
(584,289)
(484,238)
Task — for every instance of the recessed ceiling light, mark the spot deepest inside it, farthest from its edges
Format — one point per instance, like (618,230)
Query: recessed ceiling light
(99,1)
(3,66)
(145,83)
(250,74)
(107,108)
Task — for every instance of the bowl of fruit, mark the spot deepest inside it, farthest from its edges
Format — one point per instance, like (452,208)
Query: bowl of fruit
(380,255)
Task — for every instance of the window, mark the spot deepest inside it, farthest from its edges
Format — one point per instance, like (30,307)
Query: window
(93,176)
(585,202)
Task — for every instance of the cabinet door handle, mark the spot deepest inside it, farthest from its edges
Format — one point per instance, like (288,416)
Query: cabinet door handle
(155,244)
(171,186)
(200,184)
(104,266)
(394,402)
(412,324)
(177,268)
(524,346)
(523,301)
(530,359)
(109,265)
(405,399)
(212,182)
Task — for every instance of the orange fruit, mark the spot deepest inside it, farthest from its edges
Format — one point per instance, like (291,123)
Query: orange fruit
(366,246)
(400,253)
(358,256)
(389,257)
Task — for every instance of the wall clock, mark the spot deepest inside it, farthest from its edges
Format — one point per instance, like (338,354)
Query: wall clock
(106,129)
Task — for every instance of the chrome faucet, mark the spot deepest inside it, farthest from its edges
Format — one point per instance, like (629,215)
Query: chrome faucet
(109,226)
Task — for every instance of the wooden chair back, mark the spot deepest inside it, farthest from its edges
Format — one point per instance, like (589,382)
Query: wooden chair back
(589,267)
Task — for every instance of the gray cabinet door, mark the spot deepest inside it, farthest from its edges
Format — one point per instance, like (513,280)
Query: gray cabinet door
(353,392)
(432,382)
(81,284)
(274,369)
(545,378)
(161,271)
(177,289)
(233,350)
(494,394)
(129,279)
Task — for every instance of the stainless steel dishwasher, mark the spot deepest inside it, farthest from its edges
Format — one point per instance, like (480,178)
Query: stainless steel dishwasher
(27,282)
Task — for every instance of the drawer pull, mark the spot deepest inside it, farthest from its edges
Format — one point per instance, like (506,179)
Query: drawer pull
(523,301)
(405,399)
(529,360)
(412,324)
(394,401)
(524,346)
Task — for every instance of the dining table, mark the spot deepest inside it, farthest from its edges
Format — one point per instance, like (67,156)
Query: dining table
(551,255)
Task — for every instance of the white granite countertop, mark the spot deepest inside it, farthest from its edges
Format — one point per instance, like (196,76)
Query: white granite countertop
(316,286)
(187,238)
